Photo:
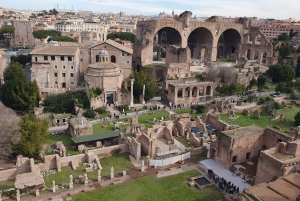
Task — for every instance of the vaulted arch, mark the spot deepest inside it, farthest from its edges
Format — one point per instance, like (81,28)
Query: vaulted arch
(199,38)
(230,39)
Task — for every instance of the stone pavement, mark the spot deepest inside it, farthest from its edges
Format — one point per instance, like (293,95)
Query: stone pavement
(223,172)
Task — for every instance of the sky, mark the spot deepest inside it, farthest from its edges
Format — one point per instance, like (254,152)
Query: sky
(277,9)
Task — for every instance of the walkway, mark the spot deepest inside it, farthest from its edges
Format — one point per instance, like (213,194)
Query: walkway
(223,172)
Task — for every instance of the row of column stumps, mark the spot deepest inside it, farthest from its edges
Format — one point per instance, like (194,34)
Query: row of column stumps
(37,191)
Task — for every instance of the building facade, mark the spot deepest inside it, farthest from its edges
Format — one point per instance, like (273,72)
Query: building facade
(55,67)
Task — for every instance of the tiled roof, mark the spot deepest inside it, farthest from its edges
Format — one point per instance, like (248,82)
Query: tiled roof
(55,50)
(116,45)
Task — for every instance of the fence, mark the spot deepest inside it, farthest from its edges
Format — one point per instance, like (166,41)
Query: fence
(179,145)
(169,161)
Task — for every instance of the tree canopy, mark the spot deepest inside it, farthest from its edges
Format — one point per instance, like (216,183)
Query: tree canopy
(34,133)
(261,82)
(298,67)
(122,36)
(297,119)
(280,73)
(284,50)
(283,37)
(61,103)
(55,35)
(142,78)
(22,59)
(231,89)
(7,29)
(17,93)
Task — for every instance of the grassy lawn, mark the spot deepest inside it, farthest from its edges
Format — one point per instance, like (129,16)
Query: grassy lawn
(66,140)
(109,126)
(183,141)
(120,163)
(182,111)
(158,114)
(151,188)
(265,121)
(7,184)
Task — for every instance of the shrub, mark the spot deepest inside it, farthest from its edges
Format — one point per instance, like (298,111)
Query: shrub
(89,114)
(297,119)
(199,108)
(121,107)
(101,110)
(95,92)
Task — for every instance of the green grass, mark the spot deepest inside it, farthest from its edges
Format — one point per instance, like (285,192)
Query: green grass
(108,126)
(66,140)
(149,117)
(183,141)
(182,111)
(150,188)
(120,163)
(7,184)
(265,121)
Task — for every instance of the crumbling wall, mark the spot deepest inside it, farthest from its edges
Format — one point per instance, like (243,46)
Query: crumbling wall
(195,140)
(200,124)
(272,137)
(215,121)
(145,143)
(134,148)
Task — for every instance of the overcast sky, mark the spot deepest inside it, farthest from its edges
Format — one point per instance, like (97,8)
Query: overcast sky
(278,9)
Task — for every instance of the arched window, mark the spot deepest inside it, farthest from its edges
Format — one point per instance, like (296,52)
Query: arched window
(113,59)
(97,58)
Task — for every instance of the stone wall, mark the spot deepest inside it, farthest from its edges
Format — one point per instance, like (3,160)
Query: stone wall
(145,143)
(215,121)
(134,148)
(195,140)
(272,137)
(22,36)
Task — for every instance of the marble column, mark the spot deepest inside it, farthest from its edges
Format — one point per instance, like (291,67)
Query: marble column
(71,182)
(143,102)
(131,95)
(53,186)
(112,174)
(99,175)
(18,195)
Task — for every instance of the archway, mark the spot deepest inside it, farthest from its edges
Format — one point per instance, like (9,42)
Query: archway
(263,57)
(179,93)
(164,37)
(248,54)
(113,59)
(220,52)
(194,92)
(230,40)
(97,58)
(208,90)
(197,40)
(201,91)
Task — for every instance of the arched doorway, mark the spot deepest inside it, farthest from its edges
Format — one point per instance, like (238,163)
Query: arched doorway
(164,37)
(194,92)
(187,93)
(230,40)
(208,90)
(197,40)
(255,55)
(179,93)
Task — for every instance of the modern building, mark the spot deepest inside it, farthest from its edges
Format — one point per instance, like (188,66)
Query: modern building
(274,30)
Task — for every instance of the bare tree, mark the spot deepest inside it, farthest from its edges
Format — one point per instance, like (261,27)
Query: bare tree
(219,75)
(9,124)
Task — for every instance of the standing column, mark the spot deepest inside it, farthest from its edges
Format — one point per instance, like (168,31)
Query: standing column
(143,102)
(131,99)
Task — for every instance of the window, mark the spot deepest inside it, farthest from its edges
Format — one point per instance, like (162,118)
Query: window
(72,83)
(64,67)
(45,57)
(128,62)
(234,159)
(128,54)
(55,74)
(35,58)
(113,59)
(69,58)
(97,58)
(53,58)
(64,74)
(55,82)
(72,67)
(123,54)
(55,66)
(71,74)
(62,58)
